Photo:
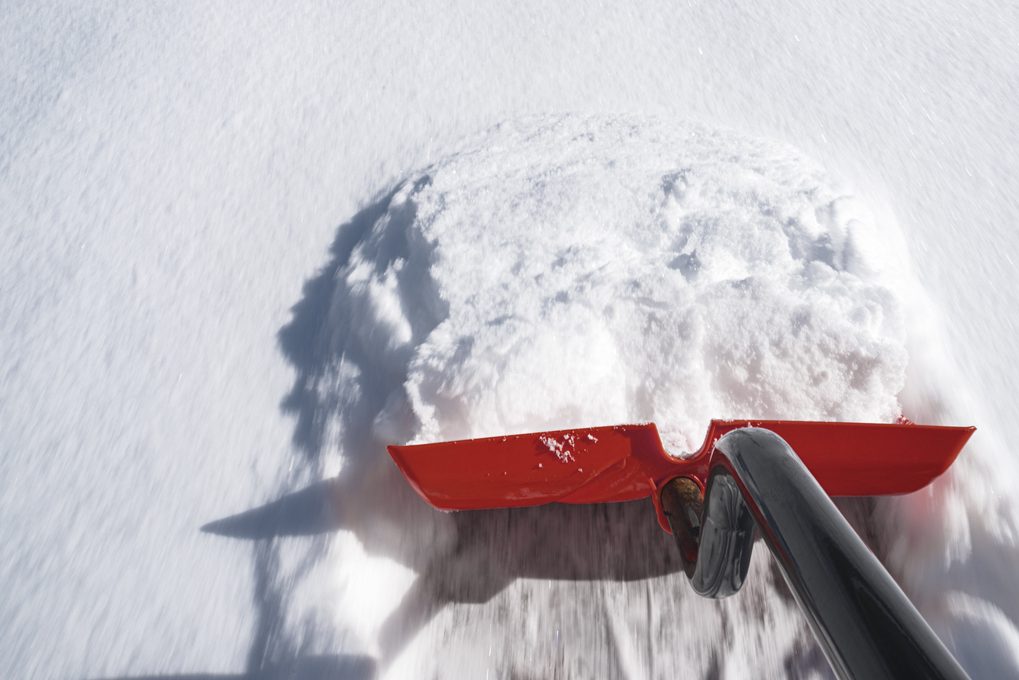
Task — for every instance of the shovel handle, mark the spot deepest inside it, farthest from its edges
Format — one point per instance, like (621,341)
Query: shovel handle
(864,623)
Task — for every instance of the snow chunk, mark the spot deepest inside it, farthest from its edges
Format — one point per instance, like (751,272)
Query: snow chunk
(562,450)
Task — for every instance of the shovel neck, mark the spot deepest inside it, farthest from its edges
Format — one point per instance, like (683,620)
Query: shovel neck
(864,623)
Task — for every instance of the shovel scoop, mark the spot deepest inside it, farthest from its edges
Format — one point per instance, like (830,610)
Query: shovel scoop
(629,462)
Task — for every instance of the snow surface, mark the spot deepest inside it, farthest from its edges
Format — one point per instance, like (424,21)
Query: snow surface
(172,175)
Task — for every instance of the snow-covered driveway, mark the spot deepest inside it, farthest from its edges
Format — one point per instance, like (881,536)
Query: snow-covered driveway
(171,177)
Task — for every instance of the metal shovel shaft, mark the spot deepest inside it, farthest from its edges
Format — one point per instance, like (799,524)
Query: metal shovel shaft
(863,621)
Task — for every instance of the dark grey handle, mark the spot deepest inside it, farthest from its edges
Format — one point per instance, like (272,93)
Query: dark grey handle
(863,621)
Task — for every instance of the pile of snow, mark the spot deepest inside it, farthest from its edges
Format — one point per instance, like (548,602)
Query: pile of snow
(570,272)
(620,271)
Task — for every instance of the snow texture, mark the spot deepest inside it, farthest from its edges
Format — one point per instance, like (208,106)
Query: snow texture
(171,174)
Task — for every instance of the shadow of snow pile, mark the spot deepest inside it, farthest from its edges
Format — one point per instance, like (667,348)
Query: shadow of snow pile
(557,274)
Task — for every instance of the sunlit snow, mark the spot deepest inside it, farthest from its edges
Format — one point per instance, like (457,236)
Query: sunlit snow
(244,247)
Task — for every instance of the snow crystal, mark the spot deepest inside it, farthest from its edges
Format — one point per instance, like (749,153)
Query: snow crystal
(562,450)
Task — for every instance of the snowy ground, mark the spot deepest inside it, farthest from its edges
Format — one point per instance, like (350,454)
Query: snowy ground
(181,186)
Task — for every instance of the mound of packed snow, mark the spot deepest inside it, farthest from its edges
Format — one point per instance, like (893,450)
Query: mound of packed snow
(588,271)
(562,273)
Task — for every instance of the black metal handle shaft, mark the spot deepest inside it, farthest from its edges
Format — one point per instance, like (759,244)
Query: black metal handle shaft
(863,621)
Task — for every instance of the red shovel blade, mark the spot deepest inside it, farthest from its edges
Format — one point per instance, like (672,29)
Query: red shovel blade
(628,462)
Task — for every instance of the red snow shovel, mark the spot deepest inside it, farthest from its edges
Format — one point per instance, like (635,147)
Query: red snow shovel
(628,462)
(771,478)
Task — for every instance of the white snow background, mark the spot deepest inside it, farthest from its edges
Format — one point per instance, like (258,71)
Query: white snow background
(243,247)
